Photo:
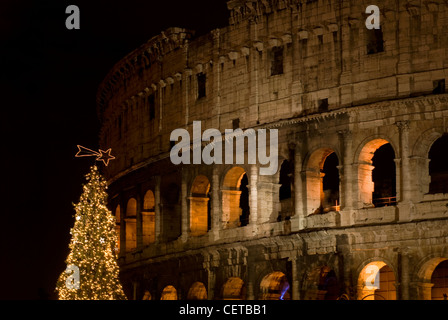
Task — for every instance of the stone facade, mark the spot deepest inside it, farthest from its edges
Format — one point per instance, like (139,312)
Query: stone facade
(332,88)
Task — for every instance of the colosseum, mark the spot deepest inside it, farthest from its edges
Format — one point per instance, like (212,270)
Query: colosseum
(358,207)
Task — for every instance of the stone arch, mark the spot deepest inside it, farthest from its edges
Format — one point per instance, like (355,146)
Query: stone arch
(235,198)
(169,293)
(148,218)
(316,169)
(420,157)
(377,281)
(233,289)
(321,283)
(131,225)
(376,151)
(200,210)
(197,291)
(438,166)
(426,289)
(275,286)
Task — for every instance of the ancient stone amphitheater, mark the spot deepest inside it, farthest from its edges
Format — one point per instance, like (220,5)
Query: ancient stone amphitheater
(358,208)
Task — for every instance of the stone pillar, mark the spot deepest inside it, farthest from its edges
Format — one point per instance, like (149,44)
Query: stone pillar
(405,173)
(295,294)
(424,290)
(157,209)
(253,195)
(216,204)
(298,220)
(405,278)
(185,221)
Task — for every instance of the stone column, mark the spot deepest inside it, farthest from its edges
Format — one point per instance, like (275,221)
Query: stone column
(215,205)
(295,294)
(405,174)
(157,209)
(298,220)
(185,221)
(405,279)
(253,195)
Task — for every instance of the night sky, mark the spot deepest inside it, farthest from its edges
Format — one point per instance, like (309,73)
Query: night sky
(49,78)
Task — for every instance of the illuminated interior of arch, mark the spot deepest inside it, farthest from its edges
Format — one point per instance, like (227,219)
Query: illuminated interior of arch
(200,206)
(275,286)
(169,293)
(233,289)
(197,291)
(131,225)
(377,174)
(322,182)
(148,218)
(439,279)
(235,199)
(383,288)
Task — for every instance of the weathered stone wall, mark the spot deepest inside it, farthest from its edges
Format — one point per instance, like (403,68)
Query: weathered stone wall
(301,67)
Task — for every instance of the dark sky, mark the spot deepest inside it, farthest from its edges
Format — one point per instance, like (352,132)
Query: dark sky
(49,78)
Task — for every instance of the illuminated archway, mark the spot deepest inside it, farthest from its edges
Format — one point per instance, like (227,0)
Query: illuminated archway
(322,181)
(433,279)
(148,218)
(275,286)
(377,174)
(235,199)
(197,292)
(376,281)
(440,280)
(233,289)
(438,166)
(131,225)
(169,293)
(200,206)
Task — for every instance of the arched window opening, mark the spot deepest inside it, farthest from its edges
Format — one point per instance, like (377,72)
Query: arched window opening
(275,286)
(171,212)
(386,290)
(169,293)
(131,225)
(200,210)
(285,192)
(330,184)
(439,278)
(377,174)
(377,282)
(235,199)
(197,292)
(383,177)
(438,166)
(322,181)
(234,289)
(148,218)
(244,201)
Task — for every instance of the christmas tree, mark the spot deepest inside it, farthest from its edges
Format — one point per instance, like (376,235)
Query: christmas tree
(92,269)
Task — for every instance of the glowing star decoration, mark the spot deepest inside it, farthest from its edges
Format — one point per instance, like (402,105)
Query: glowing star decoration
(102,155)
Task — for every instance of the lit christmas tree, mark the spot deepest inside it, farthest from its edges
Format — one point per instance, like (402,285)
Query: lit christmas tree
(92,269)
